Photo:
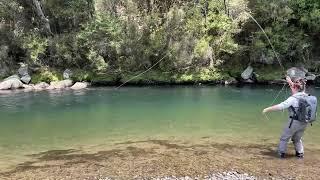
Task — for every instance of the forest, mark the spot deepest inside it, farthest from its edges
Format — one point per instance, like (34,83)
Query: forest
(182,40)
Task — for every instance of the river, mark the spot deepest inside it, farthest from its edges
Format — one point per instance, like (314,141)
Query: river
(34,122)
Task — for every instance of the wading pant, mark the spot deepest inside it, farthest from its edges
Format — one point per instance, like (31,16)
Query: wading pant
(295,133)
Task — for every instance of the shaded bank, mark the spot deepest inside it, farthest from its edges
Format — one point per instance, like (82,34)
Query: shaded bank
(163,158)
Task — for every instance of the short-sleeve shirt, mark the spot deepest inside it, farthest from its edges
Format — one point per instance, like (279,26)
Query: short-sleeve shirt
(291,101)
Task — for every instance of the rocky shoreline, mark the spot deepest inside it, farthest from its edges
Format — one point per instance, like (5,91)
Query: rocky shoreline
(23,80)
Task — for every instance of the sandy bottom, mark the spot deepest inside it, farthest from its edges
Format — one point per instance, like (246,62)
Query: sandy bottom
(161,158)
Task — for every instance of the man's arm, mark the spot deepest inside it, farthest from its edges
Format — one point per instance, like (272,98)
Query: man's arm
(284,105)
(272,108)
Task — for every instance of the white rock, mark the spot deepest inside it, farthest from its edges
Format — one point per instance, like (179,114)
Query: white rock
(80,85)
(11,83)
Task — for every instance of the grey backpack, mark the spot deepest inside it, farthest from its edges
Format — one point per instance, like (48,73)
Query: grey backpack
(307,109)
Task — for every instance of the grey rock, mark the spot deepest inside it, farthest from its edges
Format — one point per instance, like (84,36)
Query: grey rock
(12,77)
(80,85)
(296,72)
(247,73)
(23,70)
(26,79)
(311,77)
(67,74)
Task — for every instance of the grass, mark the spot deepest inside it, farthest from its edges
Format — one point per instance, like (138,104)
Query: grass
(46,75)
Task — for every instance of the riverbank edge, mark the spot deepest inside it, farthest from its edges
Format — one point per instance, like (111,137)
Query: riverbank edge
(263,76)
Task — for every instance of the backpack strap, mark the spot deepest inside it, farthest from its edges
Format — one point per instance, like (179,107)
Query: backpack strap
(294,115)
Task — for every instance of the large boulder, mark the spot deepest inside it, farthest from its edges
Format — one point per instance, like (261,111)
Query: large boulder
(60,84)
(67,74)
(247,73)
(12,77)
(80,85)
(11,83)
(26,79)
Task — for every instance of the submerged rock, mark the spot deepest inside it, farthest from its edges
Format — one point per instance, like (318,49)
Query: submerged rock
(80,85)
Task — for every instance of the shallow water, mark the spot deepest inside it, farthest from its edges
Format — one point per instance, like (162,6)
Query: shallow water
(40,121)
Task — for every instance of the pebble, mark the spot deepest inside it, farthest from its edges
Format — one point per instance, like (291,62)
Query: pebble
(231,175)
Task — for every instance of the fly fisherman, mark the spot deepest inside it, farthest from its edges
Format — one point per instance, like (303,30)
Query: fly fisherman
(302,110)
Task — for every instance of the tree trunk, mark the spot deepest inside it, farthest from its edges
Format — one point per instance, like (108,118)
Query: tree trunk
(44,21)
(226,8)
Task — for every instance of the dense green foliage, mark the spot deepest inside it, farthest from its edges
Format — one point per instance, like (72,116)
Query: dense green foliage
(124,37)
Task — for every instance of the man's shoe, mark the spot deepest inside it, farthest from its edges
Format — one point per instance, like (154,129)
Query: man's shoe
(299,155)
(281,155)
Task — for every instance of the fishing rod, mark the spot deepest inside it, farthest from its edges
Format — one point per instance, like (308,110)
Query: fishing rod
(276,55)
(273,49)
(269,41)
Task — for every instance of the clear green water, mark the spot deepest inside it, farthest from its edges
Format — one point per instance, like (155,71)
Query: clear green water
(39,121)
